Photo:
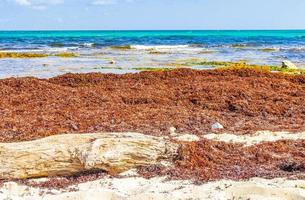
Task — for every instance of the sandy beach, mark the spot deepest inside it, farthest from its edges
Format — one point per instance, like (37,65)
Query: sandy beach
(131,185)
(235,135)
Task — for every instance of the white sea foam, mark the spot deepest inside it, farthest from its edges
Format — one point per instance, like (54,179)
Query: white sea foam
(22,50)
(159,47)
(294,49)
(41,50)
(57,49)
(89,44)
(168,48)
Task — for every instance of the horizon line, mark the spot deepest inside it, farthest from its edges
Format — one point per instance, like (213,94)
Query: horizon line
(152,30)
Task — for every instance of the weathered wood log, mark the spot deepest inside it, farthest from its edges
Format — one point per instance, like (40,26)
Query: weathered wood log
(73,153)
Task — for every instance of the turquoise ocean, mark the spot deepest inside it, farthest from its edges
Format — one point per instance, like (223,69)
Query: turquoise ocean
(42,39)
(95,47)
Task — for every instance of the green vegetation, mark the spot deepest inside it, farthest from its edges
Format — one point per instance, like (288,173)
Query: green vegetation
(137,68)
(34,55)
(236,66)
(242,64)
(57,45)
(206,52)
(21,55)
(125,47)
(239,45)
(67,55)
(198,62)
(268,50)
(102,67)
(157,52)
(153,69)
(285,70)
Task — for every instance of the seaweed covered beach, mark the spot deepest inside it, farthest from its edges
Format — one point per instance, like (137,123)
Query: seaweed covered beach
(243,101)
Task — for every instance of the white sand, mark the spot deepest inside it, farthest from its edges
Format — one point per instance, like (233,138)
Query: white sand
(259,137)
(131,187)
(158,188)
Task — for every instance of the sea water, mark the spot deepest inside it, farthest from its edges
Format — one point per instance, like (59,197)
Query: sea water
(95,49)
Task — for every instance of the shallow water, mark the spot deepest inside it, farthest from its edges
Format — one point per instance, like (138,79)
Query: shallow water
(147,49)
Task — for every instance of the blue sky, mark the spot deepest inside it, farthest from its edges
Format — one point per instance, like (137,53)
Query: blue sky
(151,14)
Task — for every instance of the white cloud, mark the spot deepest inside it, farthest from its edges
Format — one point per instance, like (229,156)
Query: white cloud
(38,4)
(23,2)
(104,2)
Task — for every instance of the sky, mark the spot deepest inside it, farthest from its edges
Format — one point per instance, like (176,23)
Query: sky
(151,14)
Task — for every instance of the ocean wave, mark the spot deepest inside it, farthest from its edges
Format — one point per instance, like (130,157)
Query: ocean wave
(166,47)
(294,49)
(73,46)
(244,45)
(300,36)
(89,44)
(56,44)
(18,50)
(159,47)
(197,45)
(60,49)
(270,48)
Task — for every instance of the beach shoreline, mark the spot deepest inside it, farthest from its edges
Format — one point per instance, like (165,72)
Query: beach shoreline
(212,115)
(49,54)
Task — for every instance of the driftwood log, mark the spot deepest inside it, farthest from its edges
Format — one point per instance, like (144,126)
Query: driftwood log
(73,153)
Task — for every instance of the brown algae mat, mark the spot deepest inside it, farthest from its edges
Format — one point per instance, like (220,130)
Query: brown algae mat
(243,100)
(209,160)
